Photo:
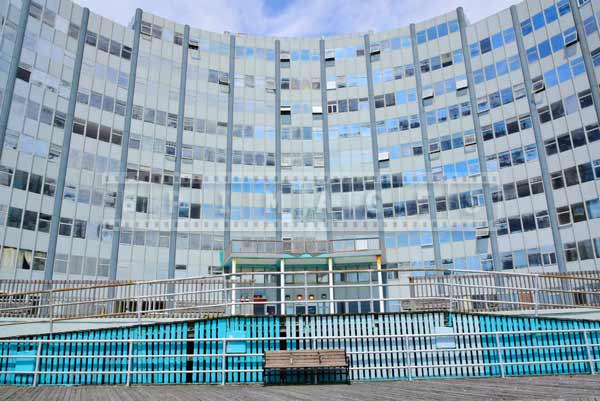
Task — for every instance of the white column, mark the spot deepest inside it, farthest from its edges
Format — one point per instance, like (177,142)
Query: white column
(330,270)
(380,285)
(282,286)
(233,285)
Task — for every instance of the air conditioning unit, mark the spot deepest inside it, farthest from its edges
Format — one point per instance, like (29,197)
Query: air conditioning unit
(286,162)
(434,147)
(319,162)
(571,38)
(482,232)
(428,93)
(469,139)
(284,56)
(330,85)
(538,86)
(462,84)
(285,109)
(383,156)
(329,54)
(375,48)
(317,110)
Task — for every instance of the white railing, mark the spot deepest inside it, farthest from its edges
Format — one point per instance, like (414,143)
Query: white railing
(403,357)
(297,292)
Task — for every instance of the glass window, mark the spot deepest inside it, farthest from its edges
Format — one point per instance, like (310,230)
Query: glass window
(578,212)
(509,35)
(571,176)
(586,173)
(557,109)
(485,45)
(538,20)
(14,217)
(593,208)
(544,49)
(526,27)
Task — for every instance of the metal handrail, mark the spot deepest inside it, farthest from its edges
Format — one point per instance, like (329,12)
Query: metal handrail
(457,290)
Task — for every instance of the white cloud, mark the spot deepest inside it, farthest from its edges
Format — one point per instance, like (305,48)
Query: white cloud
(302,18)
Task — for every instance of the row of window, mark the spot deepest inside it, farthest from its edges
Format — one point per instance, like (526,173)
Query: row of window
(446,86)
(582,250)
(286,83)
(269,54)
(545,17)
(572,140)
(500,98)
(528,258)
(566,215)
(53,20)
(453,112)
(449,142)
(25,181)
(107,45)
(41,79)
(490,43)
(502,128)
(395,152)
(498,69)
(350,80)
(522,223)
(97,131)
(348,105)
(437,31)
(31,146)
(569,105)
(306,159)
(462,200)
(444,60)
(158,176)
(353,213)
(195,241)
(393,99)
(101,102)
(34,221)
(558,75)
(512,157)
(289,133)
(519,189)
(554,44)
(576,175)
(25,259)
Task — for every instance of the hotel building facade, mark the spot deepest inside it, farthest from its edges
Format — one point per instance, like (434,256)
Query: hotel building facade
(160,150)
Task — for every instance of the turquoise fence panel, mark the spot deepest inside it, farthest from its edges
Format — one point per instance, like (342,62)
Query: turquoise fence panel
(102,356)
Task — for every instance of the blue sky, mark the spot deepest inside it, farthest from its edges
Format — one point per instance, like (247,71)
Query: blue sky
(294,17)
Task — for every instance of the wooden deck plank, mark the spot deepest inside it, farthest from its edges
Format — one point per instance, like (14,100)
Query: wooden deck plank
(517,388)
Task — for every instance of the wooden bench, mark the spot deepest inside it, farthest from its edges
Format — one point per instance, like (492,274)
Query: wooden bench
(306,366)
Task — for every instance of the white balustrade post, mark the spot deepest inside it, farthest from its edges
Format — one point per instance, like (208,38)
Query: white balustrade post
(330,280)
(223,361)
(233,285)
(380,285)
(129,361)
(589,353)
(500,356)
(282,286)
(37,363)
(536,294)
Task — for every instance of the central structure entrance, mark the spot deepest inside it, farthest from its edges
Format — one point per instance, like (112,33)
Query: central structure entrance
(305,277)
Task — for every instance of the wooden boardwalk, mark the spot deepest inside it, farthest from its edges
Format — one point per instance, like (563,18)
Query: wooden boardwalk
(521,388)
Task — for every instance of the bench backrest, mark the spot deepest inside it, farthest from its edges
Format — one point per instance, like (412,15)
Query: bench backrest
(306,359)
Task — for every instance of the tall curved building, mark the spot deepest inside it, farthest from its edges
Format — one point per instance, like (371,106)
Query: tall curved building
(160,150)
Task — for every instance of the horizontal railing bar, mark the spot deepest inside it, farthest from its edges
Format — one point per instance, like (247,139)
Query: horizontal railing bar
(320,338)
(359,368)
